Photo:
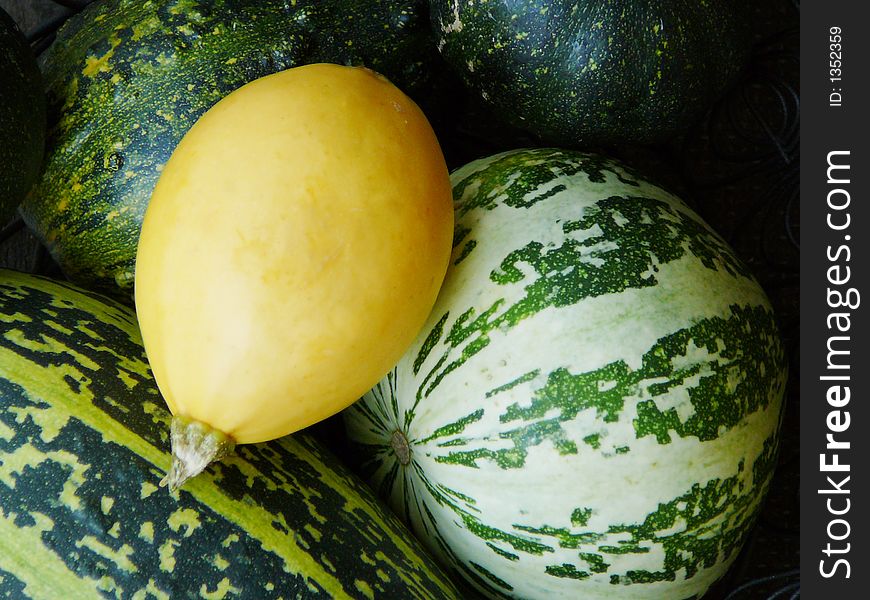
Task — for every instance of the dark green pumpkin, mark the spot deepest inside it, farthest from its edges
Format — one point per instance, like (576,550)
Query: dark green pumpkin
(126,79)
(22,117)
(83,446)
(594,71)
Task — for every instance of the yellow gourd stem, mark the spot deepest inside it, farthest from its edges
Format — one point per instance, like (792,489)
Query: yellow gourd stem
(195,445)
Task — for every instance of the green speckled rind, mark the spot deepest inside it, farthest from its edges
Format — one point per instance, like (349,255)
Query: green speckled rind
(22,118)
(597,71)
(593,406)
(126,79)
(83,446)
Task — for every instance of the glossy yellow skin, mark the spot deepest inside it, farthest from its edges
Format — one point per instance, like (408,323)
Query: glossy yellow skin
(292,249)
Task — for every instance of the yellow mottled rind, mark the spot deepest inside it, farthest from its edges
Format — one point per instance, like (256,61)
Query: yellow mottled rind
(83,440)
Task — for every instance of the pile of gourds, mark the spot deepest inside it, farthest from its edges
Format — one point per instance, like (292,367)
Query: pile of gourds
(561,379)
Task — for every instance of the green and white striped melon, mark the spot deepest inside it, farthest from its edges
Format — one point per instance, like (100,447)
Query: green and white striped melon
(83,446)
(592,409)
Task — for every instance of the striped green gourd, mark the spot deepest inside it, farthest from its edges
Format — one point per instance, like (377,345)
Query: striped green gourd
(83,446)
(126,79)
(592,409)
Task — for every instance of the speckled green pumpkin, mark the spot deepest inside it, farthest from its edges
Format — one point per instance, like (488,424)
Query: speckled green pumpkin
(595,71)
(83,446)
(22,117)
(126,79)
(592,410)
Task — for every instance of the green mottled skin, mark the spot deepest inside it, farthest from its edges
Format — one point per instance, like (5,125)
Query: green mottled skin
(596,71)
(22,118)
(678,427)
(126,79)
(716,409)
(83,446)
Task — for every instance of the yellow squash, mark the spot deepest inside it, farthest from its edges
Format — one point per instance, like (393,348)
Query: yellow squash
(291,251)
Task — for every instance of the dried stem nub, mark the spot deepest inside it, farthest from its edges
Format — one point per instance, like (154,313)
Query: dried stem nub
(195,445)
